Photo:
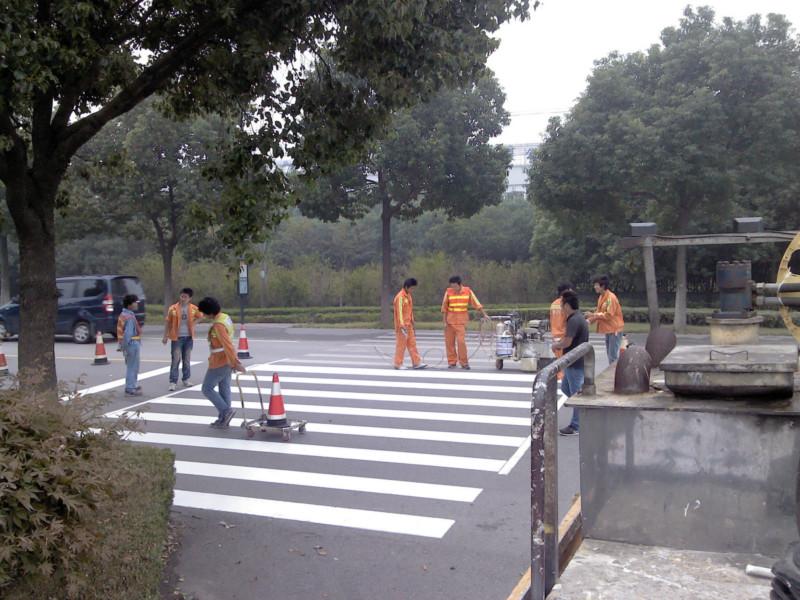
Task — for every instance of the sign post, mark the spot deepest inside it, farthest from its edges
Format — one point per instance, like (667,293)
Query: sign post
(243,288)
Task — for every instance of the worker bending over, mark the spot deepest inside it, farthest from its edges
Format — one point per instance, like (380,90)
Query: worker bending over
(558,320)
(455,307)
(404,327)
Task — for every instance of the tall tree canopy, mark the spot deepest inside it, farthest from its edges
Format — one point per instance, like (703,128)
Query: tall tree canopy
(705,122)
(436,155)
(69,67)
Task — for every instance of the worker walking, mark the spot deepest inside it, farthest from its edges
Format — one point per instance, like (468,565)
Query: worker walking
(129,336)
(404,327)
(179,330)
(455,308)
(221,361)
(608,317)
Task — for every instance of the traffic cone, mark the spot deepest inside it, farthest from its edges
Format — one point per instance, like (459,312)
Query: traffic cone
(244,349)
(276,415)
(3,363)
(100,357)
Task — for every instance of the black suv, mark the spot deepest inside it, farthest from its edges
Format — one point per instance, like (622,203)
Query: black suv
(86,304)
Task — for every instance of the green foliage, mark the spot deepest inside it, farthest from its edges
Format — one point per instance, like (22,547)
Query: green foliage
(691,132)
(59,496)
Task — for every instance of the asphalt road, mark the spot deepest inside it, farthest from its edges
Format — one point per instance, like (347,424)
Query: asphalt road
(407,484)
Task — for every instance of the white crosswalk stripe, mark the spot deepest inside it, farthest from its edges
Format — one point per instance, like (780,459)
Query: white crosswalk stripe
(375,435)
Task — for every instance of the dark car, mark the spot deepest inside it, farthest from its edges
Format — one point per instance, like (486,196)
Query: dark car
(86,305)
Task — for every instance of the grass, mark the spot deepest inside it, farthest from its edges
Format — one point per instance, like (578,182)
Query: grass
(127,561)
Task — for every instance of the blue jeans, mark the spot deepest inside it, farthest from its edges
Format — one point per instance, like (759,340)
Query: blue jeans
(132,366)
(613,341)
(219,378)
(571,384)
(181,353)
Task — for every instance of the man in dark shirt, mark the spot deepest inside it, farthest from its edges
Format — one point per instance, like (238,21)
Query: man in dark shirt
(577,333)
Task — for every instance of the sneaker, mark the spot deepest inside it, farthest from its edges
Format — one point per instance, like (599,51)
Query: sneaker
(420,366)
(451,366)
(173,387)
(568,430)
(187,383)
(136,392)
(466,367)
(226,420)
(397,368)
(218,424)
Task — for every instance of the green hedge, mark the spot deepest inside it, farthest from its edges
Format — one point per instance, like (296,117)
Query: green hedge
(83,514)
(340,315)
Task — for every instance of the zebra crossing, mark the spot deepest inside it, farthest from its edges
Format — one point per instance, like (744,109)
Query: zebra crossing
(403,452)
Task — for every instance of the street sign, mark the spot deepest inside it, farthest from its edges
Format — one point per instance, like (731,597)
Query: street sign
(243,279)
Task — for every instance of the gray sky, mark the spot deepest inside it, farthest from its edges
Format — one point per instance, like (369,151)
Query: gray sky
(543,63)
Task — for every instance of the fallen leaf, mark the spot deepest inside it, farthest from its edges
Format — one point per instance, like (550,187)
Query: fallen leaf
(226,526)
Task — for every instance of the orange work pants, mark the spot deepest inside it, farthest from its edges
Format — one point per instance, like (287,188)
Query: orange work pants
(404,342)
(455,343)
(558,354)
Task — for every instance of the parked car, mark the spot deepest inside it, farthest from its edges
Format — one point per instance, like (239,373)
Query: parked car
(86,305)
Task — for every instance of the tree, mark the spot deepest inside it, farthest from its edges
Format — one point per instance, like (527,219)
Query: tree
(680,134)
(160,183)
(436,155)
(70,67)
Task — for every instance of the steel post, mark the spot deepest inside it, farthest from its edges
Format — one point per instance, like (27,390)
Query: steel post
(544,467)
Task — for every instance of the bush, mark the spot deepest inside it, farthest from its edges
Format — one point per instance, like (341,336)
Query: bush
(70,526)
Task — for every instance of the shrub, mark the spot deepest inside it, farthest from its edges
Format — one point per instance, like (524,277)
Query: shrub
(70,525)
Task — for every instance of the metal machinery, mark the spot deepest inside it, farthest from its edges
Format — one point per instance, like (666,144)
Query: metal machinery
(703,459)
(529,344)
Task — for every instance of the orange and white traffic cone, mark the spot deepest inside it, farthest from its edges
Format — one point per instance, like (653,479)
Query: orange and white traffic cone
(100,357)
(276,415)
(244,349)
(3,363)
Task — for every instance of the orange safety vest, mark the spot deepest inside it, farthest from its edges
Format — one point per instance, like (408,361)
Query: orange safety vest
(456,305)
(608,315)
(220,343)
(403,310)
(558,322)
(121,327)
(173,320)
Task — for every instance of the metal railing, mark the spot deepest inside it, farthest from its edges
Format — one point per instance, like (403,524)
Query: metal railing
(544,467)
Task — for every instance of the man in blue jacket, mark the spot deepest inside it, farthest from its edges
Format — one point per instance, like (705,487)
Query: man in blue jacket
(129,334)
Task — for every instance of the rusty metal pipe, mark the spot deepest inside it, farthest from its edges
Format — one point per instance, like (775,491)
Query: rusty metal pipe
(773,289)
(544,467)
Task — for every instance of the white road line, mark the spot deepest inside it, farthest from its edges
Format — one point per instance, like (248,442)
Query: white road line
(333,452)
(422,374)
(354,430)
(515,458)
(404,398)
(118,382)
(372,520)
(369,412)
(412,489)
(405,385)
(345,355)
(376,362)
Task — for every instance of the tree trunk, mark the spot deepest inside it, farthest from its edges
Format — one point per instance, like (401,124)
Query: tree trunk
(386,252)
(5,271)
(32,207)
(167,252)
(679,324)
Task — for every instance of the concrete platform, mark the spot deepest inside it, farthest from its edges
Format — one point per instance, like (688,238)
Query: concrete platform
(603,570)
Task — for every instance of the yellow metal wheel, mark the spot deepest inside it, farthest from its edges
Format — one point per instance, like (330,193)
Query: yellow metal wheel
(789,272)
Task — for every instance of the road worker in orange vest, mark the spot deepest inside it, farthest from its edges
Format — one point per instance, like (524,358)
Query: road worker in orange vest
(222,360)
(558,320)
(608,317)
(404,327)
(179,329)
(455,308)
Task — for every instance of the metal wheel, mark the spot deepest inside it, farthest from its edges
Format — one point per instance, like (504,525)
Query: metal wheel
(286,434)
(498,364)
(250,432)
(302,428)
(81,332)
